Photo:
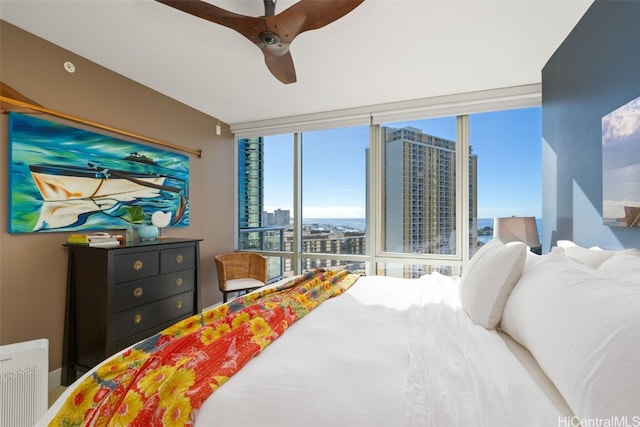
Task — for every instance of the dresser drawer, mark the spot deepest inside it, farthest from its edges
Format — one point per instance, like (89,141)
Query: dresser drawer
(138,319)
(177,259)
(132,339)
(119,296)
(136,266)
(139,292)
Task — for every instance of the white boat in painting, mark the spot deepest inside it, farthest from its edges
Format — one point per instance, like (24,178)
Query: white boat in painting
(58,183)
(61,214)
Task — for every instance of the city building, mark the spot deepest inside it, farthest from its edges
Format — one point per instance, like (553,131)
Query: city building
(278,218)
(250,189)
(419,192)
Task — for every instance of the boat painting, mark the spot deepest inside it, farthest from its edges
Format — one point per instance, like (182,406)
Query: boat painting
(66,179)
(621,166)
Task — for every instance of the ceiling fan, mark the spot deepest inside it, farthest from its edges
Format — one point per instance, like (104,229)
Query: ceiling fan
(272,33)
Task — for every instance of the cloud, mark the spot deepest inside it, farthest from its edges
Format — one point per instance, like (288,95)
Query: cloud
(622,126)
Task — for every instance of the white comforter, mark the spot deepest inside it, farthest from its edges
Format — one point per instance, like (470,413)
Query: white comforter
(461,374)
(389,352)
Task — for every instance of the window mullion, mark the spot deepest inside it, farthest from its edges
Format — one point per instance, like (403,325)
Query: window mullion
(297,203)
(374,199)
(462,188)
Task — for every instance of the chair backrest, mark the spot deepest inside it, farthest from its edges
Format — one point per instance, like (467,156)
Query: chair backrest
(240,265)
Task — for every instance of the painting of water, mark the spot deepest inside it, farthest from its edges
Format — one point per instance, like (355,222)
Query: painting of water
(64,178)
(621,166)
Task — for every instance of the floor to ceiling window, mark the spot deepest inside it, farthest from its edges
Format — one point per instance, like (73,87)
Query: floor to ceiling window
(265,198)
(400,198)
(509,151)
(332,198)
(419,194)
(334,195)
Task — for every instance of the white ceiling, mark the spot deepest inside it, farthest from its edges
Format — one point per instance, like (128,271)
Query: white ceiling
(383,51)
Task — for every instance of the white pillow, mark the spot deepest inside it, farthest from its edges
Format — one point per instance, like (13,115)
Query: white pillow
(488,279)
(624,265)
(593,257)
(583,328)
(531,259)
(565,243)
(569,243)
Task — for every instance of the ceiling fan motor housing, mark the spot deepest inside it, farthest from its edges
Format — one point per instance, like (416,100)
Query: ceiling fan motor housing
(269,38)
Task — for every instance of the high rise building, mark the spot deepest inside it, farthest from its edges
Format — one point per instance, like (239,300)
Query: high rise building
(420,192)
(250,189)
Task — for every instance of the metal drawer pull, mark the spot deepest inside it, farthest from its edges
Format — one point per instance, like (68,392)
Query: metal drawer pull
(137,292)
(137,319)
(137,265)
(179,258)
(179,305)
(179,281)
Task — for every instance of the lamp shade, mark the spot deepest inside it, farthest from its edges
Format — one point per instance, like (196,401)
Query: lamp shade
(517,229)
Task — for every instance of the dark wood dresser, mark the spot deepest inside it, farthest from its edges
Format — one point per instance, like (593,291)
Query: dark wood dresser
(118,296)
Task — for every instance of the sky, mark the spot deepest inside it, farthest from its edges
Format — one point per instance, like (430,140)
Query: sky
(508,145)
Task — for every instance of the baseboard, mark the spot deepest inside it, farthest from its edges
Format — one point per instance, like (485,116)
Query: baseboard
(55,379)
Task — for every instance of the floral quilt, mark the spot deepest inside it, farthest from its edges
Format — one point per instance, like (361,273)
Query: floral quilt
(163,380)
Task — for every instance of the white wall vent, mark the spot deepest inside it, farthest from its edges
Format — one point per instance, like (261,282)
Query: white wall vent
(23,382)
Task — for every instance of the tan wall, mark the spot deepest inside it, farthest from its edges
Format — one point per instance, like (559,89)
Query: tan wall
(33,266)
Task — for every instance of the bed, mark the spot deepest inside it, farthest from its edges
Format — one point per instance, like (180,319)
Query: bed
(519,339)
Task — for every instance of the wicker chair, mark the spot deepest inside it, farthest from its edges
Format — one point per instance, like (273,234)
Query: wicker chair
(240,271)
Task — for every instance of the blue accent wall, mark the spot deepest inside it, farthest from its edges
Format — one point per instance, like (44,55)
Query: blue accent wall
(594,71)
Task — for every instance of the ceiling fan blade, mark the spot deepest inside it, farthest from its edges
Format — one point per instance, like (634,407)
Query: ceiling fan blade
(308,15)
(280,63)
(272,33)
(248,26)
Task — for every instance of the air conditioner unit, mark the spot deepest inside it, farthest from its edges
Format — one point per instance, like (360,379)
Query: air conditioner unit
(23,382)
